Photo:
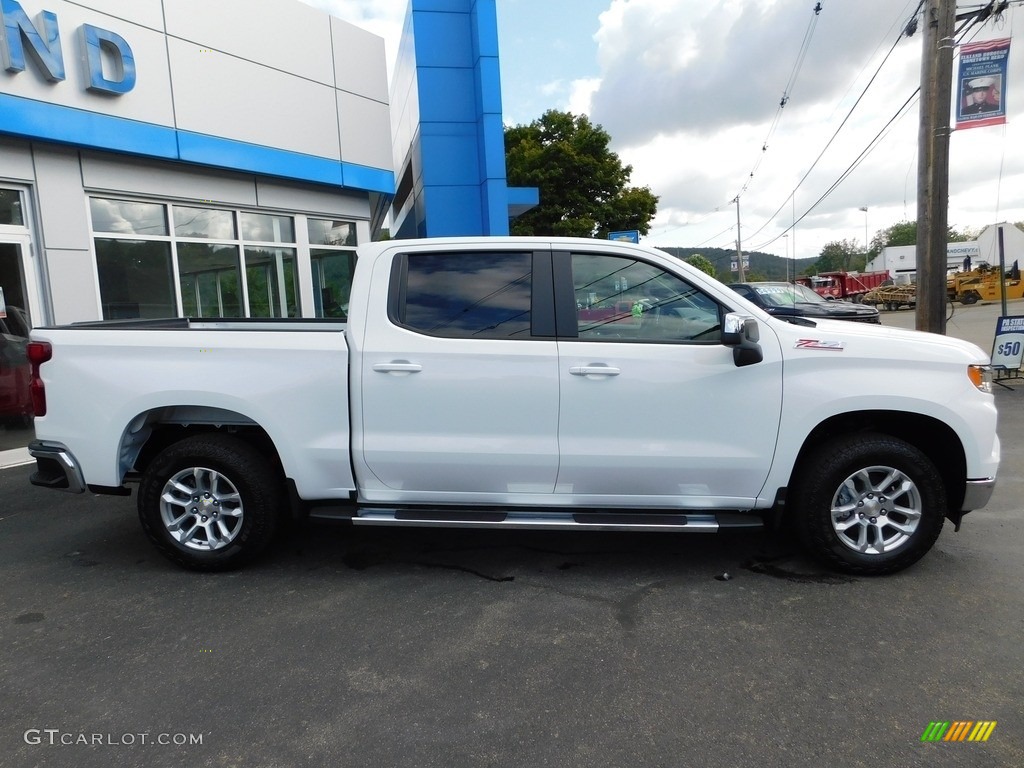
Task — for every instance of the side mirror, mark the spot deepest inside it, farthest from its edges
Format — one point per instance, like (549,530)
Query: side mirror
(742,334)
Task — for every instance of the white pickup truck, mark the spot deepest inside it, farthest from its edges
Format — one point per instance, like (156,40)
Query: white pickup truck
(521,383)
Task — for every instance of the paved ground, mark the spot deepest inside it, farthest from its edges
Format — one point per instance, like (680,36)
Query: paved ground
(392,648)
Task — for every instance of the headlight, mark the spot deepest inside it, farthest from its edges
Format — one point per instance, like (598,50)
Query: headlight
(981,377)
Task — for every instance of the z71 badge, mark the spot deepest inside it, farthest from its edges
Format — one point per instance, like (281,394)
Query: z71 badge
(833,346)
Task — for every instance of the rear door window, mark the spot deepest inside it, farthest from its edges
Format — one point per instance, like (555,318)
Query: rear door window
(465,294)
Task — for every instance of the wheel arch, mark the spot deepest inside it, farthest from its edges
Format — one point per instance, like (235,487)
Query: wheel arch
(150,432)
(932,437)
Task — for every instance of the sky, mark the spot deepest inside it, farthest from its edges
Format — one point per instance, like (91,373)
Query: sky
(690,92)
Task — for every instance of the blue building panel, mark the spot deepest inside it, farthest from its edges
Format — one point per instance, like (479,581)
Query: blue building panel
(445,161)
(66,125)
(494,195)
(488,93)
(492,151)
(443,40)
(447,95)
(456,163)
(441,6)
(452,211)
(484,20)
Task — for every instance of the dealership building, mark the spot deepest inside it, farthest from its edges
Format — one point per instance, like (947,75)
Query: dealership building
(191,158)
(188,158)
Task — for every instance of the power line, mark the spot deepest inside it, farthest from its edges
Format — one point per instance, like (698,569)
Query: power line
(968,23)
(786,95)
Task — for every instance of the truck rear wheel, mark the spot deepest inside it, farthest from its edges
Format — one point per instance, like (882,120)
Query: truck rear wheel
(869,504)
(210,502)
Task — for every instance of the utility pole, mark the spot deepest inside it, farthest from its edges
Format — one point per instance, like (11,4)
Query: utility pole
(933,164)
(739,249)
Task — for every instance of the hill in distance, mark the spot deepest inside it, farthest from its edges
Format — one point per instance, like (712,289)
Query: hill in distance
(763,266)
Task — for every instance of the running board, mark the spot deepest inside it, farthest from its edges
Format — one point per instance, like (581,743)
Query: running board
(618,520)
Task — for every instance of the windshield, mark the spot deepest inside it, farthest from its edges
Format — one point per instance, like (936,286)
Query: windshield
(786,294)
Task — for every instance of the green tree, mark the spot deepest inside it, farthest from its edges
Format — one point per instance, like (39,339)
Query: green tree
(840,256)
(702,263)
(583,185)
(905,233)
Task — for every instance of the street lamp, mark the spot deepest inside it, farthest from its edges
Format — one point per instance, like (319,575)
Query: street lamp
(866,247)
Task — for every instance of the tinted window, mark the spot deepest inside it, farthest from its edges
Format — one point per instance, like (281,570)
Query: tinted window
(479,295)
(619,298)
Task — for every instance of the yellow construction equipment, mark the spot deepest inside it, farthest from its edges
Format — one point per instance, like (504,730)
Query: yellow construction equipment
(982,284)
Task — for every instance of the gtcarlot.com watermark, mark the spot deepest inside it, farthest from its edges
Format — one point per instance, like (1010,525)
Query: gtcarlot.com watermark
(56,737)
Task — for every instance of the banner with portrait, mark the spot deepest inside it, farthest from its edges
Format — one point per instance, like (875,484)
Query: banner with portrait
(981,84)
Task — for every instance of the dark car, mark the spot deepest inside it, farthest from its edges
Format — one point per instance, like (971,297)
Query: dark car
(15,371)
(788,300)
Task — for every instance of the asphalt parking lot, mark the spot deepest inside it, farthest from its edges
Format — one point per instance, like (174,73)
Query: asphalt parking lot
(461,648)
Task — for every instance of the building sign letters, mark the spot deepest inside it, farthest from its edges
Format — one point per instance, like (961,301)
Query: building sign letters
(42,41)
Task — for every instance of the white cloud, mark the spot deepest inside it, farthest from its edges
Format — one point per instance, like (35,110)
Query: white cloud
(689,89)
(581,95)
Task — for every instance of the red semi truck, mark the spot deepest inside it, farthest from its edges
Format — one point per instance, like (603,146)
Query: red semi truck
(850,286)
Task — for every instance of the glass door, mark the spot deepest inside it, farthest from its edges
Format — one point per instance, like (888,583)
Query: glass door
(19,308)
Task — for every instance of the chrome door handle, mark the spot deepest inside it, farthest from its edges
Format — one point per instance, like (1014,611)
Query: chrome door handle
(398,366)
(594,370)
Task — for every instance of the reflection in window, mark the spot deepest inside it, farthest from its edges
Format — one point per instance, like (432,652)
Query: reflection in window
(270,274)
(211,283)
(10,208)
(619,298)
(332,281)
(136,279)
(127,218)
(329,232)
(469,295)
(204,222)
(268,228)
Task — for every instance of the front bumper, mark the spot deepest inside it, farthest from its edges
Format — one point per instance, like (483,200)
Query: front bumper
(977,493)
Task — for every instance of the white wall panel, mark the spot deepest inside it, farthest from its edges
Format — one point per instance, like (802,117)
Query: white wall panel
(148,13)
(365,131)
(283,34)
(15,160)
(166,181)
(62,209)
(73,286)
(221,95)
(290,197)
(359,61)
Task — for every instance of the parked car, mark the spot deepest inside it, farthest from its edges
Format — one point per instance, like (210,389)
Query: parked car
(15,372)
(787,300)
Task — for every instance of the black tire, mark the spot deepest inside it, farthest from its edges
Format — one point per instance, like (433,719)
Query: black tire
(235,505)
(969,298)
(847,480)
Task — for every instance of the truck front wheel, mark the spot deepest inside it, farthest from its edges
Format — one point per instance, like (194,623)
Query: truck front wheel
(210,502)
(869,504)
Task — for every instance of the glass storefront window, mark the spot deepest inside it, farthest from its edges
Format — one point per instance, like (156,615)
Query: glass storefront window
(267,228)
(227,262)
(125,217)
(332,281)
(10,208)
(136,278)
(272,283)
(204,222)
(330,232)
(211,282)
